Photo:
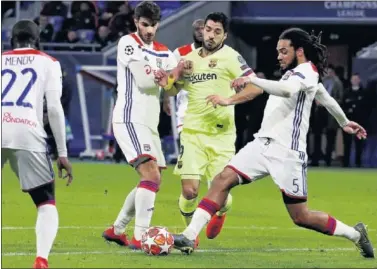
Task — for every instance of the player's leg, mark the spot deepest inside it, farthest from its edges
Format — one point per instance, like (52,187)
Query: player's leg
(237,172)
(289,174)
(220,151)
(36,177)
(190,167)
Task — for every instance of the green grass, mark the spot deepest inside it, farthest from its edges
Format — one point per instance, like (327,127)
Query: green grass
(258,231)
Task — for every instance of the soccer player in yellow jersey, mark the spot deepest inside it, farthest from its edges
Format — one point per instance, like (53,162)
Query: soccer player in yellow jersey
(209,133)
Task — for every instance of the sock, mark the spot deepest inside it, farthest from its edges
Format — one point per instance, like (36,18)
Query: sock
(202,216)
(144,206)
(126,213)
(226,207)
(187,208)
(346,231)
(46,229)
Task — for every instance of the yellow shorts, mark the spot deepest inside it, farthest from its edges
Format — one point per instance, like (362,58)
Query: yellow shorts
(203,155)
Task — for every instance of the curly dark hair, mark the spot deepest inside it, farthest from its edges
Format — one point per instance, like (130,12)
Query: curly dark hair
(311,44)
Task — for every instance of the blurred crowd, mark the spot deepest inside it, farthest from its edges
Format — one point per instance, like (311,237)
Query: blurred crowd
(87,24)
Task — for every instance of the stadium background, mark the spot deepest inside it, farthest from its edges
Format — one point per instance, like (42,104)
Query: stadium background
(81,33)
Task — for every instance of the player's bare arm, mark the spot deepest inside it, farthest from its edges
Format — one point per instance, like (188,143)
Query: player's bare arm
(246,94)
(332,106)
(284,88)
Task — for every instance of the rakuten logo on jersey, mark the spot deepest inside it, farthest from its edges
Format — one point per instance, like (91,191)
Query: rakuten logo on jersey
(203,77)
(7,117)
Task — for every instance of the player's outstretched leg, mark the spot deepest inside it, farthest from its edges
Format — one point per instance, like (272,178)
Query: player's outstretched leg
(144,199)
(47,222)
(116,233)
(326,224)
(214,200)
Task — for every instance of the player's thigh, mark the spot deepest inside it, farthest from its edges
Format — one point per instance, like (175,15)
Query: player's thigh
(220,153)
(4,156)
(136,142)
(34,169)
(157,151)
(250,163)
(192,159)
(288,170)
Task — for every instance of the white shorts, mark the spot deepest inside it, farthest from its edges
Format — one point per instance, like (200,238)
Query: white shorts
(33,169)
(139,143)
(264,156)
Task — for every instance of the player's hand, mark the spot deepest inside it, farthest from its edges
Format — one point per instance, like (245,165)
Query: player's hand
(64,164)
(161,78)
(217,100)
(239,83)
(188,68)
(355,129)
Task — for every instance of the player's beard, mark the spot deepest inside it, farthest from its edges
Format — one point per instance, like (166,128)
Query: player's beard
(292,65)
(214,48)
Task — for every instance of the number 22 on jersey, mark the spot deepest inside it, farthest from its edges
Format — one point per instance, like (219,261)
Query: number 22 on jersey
(13,76)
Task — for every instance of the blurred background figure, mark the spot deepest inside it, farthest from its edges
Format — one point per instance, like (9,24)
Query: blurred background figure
(324,122)
(357,107)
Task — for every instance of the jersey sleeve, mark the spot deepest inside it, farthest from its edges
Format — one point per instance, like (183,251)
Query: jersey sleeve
(126,50)
(54,107)
(54,77)
(238,66)
(303,74)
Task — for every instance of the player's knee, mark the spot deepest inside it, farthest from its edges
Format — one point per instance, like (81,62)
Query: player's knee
(43,194)
(226,180)
(149,171)
(190,191)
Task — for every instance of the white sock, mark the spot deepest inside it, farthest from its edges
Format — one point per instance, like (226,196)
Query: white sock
(346,231)
(199,220)
(144,205)
(126,213)
(46,229)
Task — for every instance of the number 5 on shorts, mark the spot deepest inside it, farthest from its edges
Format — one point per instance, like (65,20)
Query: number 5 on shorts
(296,185)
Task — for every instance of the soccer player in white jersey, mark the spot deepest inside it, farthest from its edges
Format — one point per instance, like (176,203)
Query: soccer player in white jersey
(136,117)
(179,53)
(27,77)
(280,145)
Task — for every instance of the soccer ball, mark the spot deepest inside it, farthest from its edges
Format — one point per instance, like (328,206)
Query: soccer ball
(157,241)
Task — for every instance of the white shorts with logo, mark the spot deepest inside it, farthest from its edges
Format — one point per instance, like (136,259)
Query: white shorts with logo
(33,169)
(263,157)
(139,143)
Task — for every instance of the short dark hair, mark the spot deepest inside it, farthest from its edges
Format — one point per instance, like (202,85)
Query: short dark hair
(148,10)
(25,31)
(218,17)
(313,49)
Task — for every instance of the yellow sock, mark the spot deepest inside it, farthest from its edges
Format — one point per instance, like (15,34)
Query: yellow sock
(187,208)
(226,207)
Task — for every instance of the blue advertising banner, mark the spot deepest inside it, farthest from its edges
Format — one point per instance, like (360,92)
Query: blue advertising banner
(306,11)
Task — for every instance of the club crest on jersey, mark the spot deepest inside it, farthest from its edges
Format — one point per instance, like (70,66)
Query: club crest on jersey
(159,62)
(147,147)
(129,50)
(212,63)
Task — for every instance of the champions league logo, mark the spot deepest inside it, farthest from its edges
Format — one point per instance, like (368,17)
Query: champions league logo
(129,50)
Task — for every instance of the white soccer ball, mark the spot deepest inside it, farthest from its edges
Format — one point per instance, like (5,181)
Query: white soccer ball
(157,241)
